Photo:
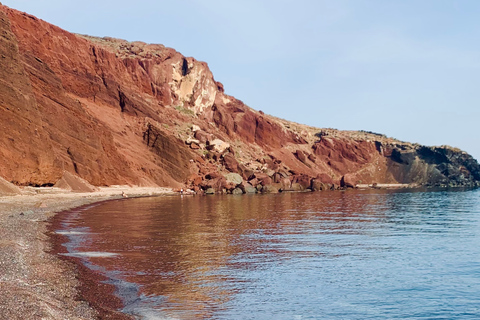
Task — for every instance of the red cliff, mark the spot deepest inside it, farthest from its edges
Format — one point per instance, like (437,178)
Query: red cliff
(115,112)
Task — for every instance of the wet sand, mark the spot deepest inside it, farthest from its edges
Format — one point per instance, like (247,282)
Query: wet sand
(35,283)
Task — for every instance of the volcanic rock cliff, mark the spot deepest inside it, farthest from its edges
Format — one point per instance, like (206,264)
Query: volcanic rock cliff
(118,112)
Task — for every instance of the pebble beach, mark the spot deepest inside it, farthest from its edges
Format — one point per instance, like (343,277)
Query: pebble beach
(35,283)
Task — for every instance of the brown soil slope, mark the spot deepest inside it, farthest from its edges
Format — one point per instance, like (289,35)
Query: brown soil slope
(115,112)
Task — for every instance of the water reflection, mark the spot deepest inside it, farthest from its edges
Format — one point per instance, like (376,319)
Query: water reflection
(219,257)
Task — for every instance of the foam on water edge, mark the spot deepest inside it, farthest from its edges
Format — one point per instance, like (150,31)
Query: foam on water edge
(92,254)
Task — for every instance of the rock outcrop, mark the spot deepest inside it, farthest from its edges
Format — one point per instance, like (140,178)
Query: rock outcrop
(116,112)
(74,183)
(8,189)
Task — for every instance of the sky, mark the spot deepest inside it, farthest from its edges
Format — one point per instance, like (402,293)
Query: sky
(408,69)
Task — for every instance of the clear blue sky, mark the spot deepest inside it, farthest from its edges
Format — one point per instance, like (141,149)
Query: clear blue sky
(405,68)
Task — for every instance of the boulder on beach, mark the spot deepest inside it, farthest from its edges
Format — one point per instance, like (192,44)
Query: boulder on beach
(8,189)
(74,183)
(234,178)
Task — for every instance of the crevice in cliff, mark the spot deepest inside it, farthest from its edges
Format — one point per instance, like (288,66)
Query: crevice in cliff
(94,52)
(122,100)
(70,154)
(154,89)
(104,80)
(184,67)
(142,65)
(379,147)
(257,123)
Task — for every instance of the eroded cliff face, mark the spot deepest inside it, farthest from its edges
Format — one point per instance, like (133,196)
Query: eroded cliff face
(115,112)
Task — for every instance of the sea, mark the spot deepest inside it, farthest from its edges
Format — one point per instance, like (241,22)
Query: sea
(371,254)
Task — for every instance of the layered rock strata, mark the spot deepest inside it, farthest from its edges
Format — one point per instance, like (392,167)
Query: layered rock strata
(118,112)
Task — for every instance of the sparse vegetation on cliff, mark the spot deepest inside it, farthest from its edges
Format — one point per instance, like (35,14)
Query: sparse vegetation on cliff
(101,108)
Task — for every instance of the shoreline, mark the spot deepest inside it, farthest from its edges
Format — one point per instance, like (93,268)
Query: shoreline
(92,286)
(38,283)
(35,282)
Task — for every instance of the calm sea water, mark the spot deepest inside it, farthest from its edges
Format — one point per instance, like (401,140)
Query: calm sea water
(322,255)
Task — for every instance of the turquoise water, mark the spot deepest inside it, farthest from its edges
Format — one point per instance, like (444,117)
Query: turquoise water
(323,255)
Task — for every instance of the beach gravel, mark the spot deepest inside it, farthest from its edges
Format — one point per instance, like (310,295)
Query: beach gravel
(34,282)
